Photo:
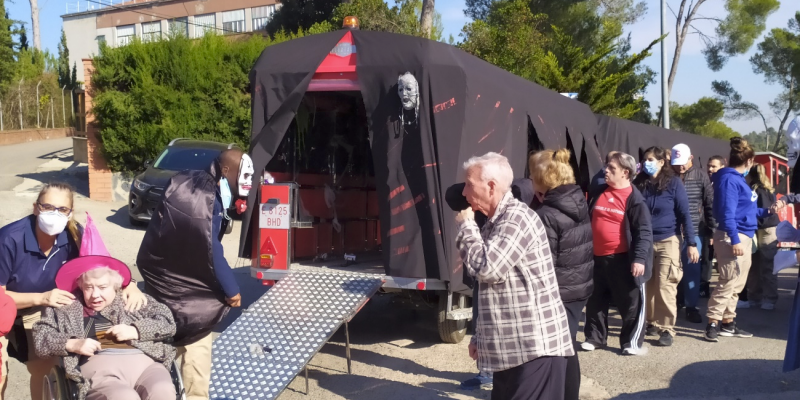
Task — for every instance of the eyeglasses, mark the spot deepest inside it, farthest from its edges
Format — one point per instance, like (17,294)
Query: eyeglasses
(51,208)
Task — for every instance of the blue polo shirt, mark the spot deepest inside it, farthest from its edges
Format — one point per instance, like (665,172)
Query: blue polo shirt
(23,266)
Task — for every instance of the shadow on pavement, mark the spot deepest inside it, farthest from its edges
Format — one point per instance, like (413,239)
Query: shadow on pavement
(395,364)
(61,155)
(732,378)
(357,387)
(121,218)
(76,175)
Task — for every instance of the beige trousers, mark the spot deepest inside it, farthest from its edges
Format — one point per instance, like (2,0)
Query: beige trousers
(37,367)
(195,361)
(733,272)
(662,288)
(127,377)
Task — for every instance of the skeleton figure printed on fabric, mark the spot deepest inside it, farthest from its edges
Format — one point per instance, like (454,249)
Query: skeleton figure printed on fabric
(408,90)
(246,172)
(793,134)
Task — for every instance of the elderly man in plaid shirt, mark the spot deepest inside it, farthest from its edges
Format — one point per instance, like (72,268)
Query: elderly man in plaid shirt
(522,333)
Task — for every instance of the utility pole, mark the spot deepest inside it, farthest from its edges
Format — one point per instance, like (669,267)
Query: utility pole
(664,86)
(63,107)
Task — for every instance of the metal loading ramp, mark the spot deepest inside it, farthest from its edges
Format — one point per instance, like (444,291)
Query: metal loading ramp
(264,349)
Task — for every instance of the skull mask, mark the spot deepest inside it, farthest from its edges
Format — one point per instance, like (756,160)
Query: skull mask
(246,172)
(408,90)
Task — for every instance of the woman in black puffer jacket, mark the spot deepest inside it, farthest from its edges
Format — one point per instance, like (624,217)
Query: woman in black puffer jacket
(563,209)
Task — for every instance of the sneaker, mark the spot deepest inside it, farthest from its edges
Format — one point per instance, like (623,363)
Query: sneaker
(586,346)
(767,306)
(693,315)
(629,352)
(665,339)
(731,330)
(651,330)
(712,332)
(743,304)
(480,381)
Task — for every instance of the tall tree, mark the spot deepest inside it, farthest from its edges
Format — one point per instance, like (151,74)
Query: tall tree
(6,48)
(74,78)
(702,118)
(514,38)
(37,42)
(778,60)
(63,62)
(426,17)
(23,37)
(735,33)
(295,15)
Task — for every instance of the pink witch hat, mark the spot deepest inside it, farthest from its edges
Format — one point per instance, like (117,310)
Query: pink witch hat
(93,254)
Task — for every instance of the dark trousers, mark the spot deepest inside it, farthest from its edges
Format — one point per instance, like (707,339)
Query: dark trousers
(542,378)
(573,378)
(613,280)
(705,263)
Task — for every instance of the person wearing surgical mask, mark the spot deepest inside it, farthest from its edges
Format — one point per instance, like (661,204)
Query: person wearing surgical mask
(183,262)
(32,250)
(666,198)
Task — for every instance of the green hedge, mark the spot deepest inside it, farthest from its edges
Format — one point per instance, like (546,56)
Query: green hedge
(147,94)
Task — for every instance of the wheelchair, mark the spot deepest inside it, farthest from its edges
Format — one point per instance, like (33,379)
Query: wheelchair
(58,387)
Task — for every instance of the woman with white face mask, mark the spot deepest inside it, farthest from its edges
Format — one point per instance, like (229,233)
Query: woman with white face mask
(666,198)
(32,250)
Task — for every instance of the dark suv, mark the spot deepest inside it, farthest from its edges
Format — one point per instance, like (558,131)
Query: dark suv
(180,154)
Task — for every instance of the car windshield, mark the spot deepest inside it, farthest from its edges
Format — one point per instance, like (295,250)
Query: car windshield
(183,158)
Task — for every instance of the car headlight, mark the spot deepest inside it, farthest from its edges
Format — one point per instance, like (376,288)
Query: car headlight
(141,185)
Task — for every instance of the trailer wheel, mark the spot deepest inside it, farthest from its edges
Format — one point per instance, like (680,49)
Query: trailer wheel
(449,330)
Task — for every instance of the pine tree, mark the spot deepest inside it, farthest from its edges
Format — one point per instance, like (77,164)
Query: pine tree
(63,62)
(23,38)
(74,81)
(6,48)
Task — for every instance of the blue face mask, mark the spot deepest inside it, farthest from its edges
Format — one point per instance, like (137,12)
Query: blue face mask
(225,193)
(650,167)
(746,172)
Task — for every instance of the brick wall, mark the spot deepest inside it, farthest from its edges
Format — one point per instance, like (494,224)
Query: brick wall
(32,135)
(100,176)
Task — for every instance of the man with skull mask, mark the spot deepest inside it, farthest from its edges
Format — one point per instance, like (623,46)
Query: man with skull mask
(182,260)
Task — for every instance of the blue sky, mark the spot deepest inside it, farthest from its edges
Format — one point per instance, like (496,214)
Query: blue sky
(692,82)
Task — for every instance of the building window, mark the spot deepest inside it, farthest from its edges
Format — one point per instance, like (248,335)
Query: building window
(151,31)
(233,21)
(261,16)
(125,34)
(179,26)
(204,23)
(101,40)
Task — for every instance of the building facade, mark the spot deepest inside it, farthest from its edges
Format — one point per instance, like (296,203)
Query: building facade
(118,24)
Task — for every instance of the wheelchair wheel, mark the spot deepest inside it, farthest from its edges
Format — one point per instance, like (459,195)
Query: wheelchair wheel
(177,380)
(56,386)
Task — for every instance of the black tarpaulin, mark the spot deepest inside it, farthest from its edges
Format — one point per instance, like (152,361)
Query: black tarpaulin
(467,107)
(634,138)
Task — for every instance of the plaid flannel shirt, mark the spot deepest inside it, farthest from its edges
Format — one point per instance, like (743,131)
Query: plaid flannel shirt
(520,314)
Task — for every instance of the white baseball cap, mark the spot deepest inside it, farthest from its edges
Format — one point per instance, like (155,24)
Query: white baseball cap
(680,154)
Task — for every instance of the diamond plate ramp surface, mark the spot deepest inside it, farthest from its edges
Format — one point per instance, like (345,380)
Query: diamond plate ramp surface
(274,339)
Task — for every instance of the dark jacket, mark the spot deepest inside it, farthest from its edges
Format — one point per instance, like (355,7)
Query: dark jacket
(154,323)
(565,215)
(638,229)
(765,200)
(701,200)
(669,210)
(176,257)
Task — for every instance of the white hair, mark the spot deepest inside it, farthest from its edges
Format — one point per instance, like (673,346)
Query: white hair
(115,278)
(494,167)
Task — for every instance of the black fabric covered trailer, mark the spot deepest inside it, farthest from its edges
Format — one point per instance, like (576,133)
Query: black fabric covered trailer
(634,138)
(467,107)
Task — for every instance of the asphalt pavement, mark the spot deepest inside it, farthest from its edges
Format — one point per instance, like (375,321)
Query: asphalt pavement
(395,347)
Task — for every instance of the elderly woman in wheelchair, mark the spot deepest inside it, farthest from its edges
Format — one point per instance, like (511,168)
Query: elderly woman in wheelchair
(108,352)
